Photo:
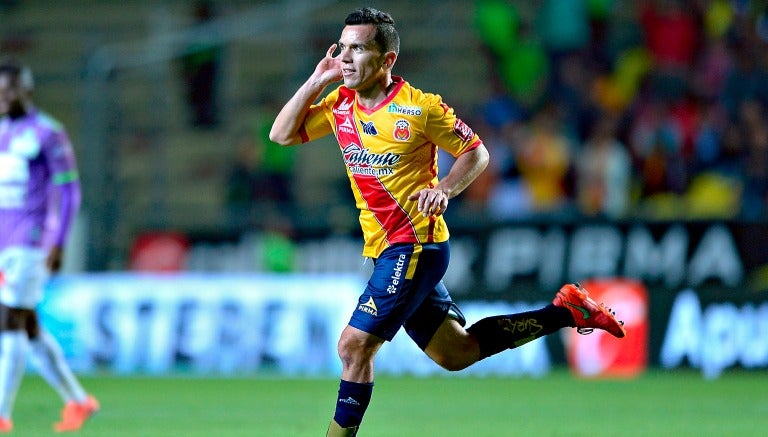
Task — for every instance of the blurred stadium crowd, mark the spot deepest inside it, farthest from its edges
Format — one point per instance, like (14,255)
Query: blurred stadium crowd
(656,109)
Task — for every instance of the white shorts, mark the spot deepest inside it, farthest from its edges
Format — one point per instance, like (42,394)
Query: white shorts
(24,275)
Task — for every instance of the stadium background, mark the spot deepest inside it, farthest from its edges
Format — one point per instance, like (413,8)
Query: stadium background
(180,265)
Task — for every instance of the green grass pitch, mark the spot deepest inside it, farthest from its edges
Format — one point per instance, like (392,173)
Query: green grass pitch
(679,403)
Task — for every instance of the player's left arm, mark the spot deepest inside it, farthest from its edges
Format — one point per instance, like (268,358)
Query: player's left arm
(450,133)
(466,168)
(66,181)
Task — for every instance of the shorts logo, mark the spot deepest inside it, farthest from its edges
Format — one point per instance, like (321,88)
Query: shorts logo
(369,307)
(397,274)
(402,130)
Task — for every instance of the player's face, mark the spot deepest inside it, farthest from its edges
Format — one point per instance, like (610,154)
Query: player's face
(362,62)
(10,95)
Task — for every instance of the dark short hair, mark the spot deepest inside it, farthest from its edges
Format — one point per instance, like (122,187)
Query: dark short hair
(18,71)
(386,37)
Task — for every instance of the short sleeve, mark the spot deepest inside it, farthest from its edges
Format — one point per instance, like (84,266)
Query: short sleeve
(447,131)
(318,122)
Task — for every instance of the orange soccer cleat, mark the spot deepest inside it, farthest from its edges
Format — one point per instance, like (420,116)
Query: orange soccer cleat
(5,425)
(586,312)
(74,414)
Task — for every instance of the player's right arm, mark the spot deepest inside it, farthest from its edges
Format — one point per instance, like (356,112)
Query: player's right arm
(286,127)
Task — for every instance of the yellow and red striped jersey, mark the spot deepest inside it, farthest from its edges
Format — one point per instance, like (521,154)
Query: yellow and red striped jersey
(390,152)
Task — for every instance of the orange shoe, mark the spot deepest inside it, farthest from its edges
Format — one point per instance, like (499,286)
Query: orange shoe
(5,425)
(586,312)
(74,415)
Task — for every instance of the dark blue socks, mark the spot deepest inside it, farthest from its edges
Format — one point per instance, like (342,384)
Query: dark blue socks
(353,400)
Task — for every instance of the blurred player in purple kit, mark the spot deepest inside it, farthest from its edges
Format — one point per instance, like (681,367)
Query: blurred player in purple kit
(39,198)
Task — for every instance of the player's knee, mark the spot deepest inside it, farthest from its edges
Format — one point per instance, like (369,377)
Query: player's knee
(357,351)
(345,350)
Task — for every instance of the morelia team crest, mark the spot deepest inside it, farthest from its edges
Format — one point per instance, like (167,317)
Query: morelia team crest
(402,130)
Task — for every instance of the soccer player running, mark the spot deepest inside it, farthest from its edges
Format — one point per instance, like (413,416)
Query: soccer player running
(39,198)
(388,133)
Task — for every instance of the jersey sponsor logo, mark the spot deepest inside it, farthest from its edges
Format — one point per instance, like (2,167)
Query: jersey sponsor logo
(14,173)
(344,106)
(462,130)
(25,145)
(397,274)
(346,126)
(402,130)
(369,307)
(404,110)
(12,196)
(13,168)
(369,128)
(361,161)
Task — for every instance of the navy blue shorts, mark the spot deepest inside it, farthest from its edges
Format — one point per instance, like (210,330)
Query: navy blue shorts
(406,289)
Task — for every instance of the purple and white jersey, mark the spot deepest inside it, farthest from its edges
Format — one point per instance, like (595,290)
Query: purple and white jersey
(35,157)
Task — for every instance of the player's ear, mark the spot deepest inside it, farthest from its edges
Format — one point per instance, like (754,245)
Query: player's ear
(389,60)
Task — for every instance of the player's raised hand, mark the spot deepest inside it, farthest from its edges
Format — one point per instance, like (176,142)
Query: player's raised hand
(328,70)
(432,201)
